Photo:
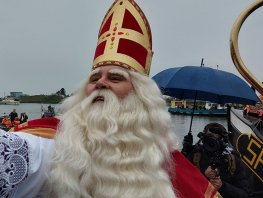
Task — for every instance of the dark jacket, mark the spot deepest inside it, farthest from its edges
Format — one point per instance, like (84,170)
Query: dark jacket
(13,115)
(23,118)
(235,184)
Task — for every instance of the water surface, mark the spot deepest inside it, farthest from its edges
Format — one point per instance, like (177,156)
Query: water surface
(181,123)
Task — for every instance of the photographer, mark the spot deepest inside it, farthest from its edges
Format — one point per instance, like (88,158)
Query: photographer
(221,166)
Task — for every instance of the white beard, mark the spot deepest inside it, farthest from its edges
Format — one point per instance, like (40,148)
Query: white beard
(108,149)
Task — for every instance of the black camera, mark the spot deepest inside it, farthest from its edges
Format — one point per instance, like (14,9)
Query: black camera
(219,160)
(211,143)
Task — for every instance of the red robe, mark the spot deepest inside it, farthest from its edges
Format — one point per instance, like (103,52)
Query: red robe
(188,181)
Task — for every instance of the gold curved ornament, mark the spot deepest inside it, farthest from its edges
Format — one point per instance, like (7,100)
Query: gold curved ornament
(242,69)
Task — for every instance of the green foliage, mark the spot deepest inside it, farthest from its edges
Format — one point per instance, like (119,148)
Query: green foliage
(50,99)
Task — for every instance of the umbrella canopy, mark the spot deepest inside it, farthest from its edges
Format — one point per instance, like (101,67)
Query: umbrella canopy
(204,83)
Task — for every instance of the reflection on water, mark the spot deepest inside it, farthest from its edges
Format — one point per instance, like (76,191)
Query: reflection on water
(181,123)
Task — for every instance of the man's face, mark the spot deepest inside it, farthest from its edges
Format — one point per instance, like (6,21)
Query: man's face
(114,78)
(213,142)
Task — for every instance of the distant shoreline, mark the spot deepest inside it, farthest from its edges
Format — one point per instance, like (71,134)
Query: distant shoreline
(43,99)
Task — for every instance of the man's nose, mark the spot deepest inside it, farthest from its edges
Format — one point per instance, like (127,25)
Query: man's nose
(102,84)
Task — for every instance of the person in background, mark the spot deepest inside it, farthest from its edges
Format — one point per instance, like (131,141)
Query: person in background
(13,115)
(16,121)
(3,120)
(221,166)
(23,117)
(7,122)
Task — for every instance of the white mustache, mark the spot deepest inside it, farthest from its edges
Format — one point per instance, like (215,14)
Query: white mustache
(102,96)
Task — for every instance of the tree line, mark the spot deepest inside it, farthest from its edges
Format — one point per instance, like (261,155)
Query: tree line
(51,99)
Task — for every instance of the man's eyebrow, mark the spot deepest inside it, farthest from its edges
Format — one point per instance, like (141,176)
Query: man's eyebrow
(94,72)
(120,72)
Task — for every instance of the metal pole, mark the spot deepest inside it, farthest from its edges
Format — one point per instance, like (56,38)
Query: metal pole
(202,62)
(192,116)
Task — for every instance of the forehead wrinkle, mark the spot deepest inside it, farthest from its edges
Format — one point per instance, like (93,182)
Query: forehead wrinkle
(120,72)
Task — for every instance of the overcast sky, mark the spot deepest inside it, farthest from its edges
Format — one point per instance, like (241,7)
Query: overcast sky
(49,44)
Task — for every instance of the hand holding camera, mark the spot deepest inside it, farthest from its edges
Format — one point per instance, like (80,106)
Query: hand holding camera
(211,173)
(213,176)
(216,182)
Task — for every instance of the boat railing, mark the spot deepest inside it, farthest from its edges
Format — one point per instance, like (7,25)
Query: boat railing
(259,125)
(244,122)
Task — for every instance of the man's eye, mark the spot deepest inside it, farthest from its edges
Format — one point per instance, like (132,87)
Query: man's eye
(93,79)
(117,78)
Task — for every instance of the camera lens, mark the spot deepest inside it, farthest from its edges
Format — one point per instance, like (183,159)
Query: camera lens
(211,144)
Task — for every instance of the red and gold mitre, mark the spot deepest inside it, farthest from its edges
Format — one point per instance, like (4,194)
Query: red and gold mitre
(124,38)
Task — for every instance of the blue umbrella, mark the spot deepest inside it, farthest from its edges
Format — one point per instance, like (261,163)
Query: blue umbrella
(206,84)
